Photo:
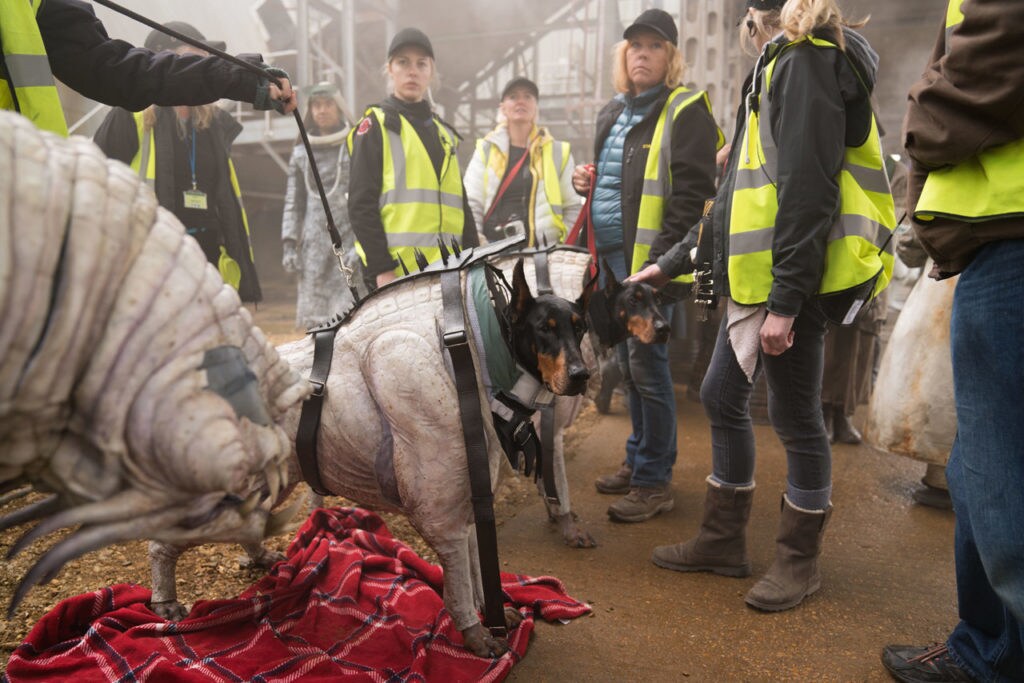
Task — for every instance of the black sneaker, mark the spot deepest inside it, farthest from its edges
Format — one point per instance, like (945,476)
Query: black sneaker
(930,664)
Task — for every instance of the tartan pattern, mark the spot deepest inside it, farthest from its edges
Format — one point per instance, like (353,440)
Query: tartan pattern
(349,601)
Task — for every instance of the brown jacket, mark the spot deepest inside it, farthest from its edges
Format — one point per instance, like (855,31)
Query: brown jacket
(966,102)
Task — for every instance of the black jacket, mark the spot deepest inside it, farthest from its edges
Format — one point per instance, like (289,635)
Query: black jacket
(694,145)
(367,179)
(820,104)
(85,58)
(118,138)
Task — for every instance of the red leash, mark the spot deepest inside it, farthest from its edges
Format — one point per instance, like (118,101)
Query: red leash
(586,221)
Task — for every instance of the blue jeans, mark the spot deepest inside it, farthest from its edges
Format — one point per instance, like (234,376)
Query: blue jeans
(986,467)
(647,381)
(794,407)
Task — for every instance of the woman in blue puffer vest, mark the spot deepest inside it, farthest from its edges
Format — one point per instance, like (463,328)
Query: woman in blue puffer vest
(651,107)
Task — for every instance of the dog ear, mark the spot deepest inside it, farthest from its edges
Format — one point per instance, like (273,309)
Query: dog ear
(522,298)
(588,291)
(612,286)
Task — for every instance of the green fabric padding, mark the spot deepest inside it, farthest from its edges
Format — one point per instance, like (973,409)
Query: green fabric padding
(500,365)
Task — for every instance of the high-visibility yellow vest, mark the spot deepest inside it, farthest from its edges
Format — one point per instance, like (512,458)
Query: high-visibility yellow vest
(986,187)
(866,218)
(658,175)
(144,163)
(554,155)
(27,84)
(416,207)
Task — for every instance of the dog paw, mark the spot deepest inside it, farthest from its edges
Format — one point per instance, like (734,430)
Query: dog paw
(263,560)
(480,642)
(513,617)
(171,610)
(581,538)
(573,534)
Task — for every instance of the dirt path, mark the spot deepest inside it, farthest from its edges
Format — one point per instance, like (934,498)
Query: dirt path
(887,575)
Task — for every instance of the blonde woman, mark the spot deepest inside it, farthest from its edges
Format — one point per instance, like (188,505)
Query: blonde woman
(183,152)
(520,178)
(802,211)
(655,150)
(406,188)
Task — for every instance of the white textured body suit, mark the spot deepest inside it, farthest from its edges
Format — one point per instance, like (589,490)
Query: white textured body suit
(132,383)
(390,389)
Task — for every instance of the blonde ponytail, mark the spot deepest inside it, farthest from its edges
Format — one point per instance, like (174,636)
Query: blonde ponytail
(202,116)
(799,18)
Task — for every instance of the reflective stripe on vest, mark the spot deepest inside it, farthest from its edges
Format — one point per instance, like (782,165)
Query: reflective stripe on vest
(27,85)
(866,219)
(416,207)
(658,176)
(144,164)
(989,186)
(553,158)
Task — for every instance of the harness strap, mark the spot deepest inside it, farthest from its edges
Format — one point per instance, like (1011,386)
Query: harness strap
(456,341)
(542,272)
(309,420)
(547,449)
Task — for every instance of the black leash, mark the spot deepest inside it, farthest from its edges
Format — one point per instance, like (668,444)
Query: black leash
(263,73)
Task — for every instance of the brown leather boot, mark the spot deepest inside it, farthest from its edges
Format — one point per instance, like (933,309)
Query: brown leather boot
(794,573)
(721,544)
(617,483)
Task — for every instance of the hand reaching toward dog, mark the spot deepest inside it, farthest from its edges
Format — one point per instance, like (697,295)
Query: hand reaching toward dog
(386,277)
(652,275)
(777,334)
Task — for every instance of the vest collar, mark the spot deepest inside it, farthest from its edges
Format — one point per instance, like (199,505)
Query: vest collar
(499,137)
(646,97)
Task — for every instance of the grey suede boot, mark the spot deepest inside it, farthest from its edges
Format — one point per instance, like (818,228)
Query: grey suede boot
(721,544)
(794,573)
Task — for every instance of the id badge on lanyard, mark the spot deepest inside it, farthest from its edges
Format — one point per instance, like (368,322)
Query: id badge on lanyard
(194,198)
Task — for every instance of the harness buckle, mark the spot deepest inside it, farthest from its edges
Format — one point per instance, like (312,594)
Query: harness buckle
(522,434)
(318,387)
(456,338)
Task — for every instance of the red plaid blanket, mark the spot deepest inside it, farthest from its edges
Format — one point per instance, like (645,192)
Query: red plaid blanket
(349,601)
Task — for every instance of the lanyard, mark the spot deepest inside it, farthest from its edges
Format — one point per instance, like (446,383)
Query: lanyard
(192,156)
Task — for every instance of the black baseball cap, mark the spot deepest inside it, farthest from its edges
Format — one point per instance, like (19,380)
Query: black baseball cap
(410,36)
(766,5)
(521,82)
(158,42)
(657,20)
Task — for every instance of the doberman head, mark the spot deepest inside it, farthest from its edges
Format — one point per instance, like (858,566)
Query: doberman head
(626,309)
(545,332)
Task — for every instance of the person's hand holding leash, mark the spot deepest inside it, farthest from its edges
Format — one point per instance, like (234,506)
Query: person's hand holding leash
(777,334)
(289,102)
(582,177)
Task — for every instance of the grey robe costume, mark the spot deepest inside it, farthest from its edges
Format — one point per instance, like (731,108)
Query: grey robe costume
(322,289)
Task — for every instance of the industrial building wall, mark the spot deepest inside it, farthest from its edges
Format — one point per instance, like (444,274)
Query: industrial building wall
(902,32)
